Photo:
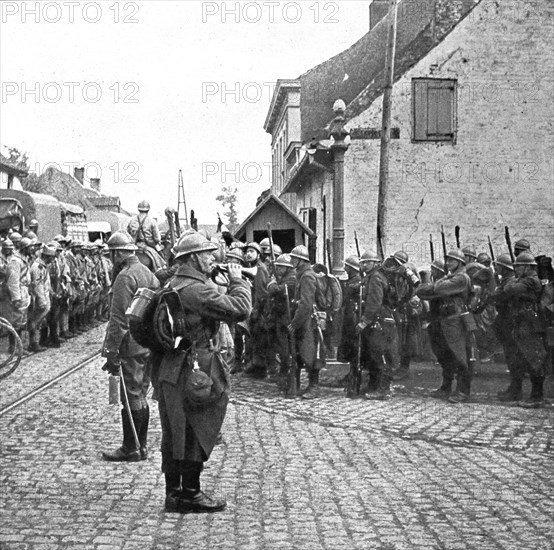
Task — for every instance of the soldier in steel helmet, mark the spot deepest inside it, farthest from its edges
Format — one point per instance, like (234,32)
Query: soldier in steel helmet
(504,326)
(521,245)
(524,292)
(347,351)
(191,420)
(259,336)
(143,228)
(123,352)
(308,341)
(277,311)
(454,290)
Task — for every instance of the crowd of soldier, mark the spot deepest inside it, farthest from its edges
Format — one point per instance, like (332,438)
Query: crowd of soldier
(53,290)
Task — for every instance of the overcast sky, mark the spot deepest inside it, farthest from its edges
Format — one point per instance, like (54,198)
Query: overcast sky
(141,89)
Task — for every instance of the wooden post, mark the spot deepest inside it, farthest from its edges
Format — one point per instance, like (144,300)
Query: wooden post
(339,148)
(386,122)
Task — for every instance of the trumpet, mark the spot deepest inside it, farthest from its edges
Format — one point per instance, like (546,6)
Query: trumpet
(248,273)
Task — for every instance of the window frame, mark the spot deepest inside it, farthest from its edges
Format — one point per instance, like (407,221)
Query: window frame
(436,138)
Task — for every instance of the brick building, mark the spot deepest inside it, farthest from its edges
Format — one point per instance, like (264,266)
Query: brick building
(472,129)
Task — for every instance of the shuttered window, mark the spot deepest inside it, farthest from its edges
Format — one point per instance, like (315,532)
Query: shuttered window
(434,109)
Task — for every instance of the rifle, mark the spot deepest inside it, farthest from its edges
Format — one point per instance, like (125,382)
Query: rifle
(329,255)
(292,386)
(457,234)
(432,247)
(355,378)
(380,242)
(509,243)
(357,244)
(443,238)
(491,250)
(271,249)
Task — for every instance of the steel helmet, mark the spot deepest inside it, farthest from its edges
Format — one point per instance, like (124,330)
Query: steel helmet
(31,235)
(483,258)
(505,260)
(237,244)
(235,253)
(277,250)
(55,244)
(15,237)
(48,251)
(25,242)
(59,238)
(456,254)
(353,262)
(369,256)
(143,206)
(121,240)
(33,223)
(98,243)
(255,246)
(193,242)
(439,265)
(300,252)
(469,251)
(522,244)
(525,258)
(7,243)
(265,245)
(400,256)
(284,261)
(76,244)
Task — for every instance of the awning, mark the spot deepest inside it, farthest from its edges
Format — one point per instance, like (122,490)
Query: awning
(72,208)
(99,227)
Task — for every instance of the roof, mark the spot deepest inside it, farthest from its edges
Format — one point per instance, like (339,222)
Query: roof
(279,94)
(7,166)
(349,74)
(100,201)
(278,202)
(64,187)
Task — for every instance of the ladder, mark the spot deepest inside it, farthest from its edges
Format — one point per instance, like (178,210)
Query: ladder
(182,200)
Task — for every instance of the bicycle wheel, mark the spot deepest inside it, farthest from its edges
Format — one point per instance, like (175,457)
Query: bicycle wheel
(11,348)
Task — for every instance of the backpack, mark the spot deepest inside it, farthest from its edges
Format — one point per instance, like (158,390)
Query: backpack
(328,293)
(156,319)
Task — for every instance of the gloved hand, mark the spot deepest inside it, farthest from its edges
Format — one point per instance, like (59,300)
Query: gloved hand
(360,326)
(111,366)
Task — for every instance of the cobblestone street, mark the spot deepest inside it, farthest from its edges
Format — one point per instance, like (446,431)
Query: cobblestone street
(411,473)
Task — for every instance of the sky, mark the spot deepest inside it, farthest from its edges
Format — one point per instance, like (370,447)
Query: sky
(135,91)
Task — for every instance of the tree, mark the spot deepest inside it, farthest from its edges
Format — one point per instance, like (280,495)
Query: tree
(18,159)
(228,198)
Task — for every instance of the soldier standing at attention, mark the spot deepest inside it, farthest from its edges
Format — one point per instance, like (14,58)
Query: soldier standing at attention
(191,414)
(121,350)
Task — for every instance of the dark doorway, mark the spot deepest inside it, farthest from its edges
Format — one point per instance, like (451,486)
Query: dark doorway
(312,224)
(283,237)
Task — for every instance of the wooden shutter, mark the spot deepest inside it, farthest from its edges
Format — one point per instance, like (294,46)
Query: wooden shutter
(433,109)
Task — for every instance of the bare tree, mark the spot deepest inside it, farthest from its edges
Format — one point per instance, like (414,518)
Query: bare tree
(228,198)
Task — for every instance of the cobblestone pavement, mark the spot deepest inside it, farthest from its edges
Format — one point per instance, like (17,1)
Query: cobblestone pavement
(328,474)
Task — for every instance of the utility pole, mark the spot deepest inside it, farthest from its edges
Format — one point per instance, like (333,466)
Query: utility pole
(181,200)
(386,124)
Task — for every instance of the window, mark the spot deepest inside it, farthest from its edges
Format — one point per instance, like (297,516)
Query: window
(10,181)
(434,109)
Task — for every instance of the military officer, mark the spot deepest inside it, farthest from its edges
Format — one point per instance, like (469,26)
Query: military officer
(190,426)
(143,228)
(121,350)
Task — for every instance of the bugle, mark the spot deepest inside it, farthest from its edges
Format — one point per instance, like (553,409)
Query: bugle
(248,273)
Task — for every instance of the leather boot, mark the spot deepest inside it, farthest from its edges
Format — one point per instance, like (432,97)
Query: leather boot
(192,498)
(43,340)
(128,452)
(383,391)
(143,433)
(444,391)
(33,342)
(536,399)
(463,384)
(512,392)
(173,491)
(313,385)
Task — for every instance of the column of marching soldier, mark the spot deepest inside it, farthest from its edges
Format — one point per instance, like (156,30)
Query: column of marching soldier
(53,290)
(468,305)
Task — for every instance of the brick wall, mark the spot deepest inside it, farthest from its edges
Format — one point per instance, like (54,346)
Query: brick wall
(499,171)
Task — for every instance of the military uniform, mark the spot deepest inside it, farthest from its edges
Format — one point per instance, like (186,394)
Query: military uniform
(348,348)
(144,230)
(119,344)
(40,290)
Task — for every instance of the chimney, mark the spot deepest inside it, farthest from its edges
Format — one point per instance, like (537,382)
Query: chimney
(95,184)
(378,9)
(79,174)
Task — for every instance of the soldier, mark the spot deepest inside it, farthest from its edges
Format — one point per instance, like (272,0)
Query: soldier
(40,290)
(524,292)
(454,290)
(469,254)
(277,311)
(259,341)
(302,324)
(32,230)
(190,426)
(239,331)
(17,283)
(144,229)
(121,351)
(347,351)
(50,334)
(503,327)
(10,288)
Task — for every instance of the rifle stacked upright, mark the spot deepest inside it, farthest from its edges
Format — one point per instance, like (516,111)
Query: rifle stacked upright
(292,385)
(355,377)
